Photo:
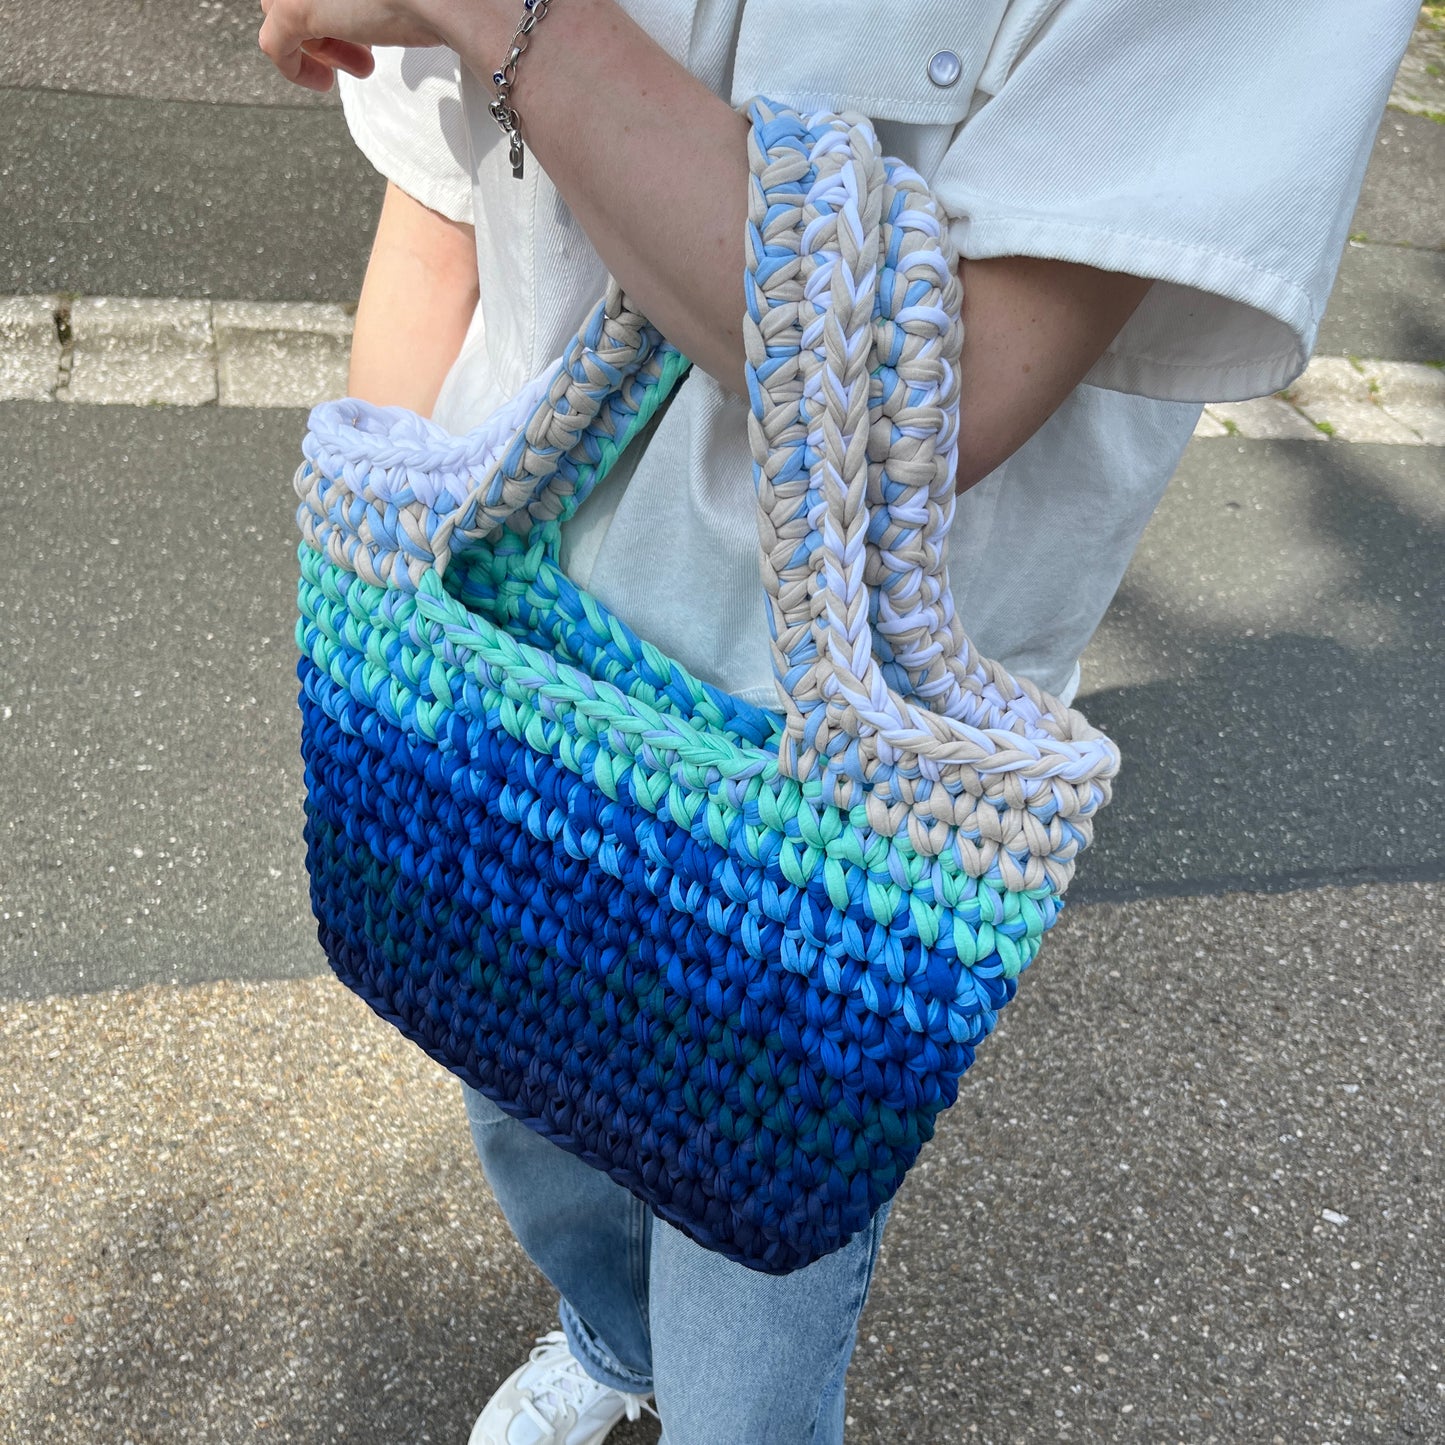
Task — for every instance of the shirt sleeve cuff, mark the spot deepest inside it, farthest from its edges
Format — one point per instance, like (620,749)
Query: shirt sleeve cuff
(444,189)
(1214,327)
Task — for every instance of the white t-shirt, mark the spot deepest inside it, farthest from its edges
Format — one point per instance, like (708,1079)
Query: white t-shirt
(1216,148)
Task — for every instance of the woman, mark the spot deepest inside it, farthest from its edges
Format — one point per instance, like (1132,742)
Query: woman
(1150,203)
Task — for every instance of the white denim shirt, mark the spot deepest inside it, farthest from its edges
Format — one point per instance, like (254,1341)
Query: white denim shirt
(1218,149)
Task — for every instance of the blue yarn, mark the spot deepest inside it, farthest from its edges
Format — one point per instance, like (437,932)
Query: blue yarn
(482,839)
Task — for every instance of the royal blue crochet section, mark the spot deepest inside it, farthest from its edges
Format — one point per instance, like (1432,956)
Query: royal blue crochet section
(608,1000)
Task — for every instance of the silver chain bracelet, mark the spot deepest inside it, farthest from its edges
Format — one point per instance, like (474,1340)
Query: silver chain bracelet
(504,77)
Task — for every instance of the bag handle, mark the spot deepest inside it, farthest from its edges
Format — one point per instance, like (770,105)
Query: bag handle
(853,335)
(391,496)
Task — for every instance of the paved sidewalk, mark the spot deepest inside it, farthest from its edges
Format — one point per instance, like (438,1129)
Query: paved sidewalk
(1192,1192)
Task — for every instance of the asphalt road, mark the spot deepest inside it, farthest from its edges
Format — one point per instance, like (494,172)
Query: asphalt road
(1271,669)
(1190,1192)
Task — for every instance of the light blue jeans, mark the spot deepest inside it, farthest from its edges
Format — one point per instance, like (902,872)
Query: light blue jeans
(732,1355)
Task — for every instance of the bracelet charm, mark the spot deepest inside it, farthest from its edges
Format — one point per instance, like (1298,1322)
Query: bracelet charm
(504,77)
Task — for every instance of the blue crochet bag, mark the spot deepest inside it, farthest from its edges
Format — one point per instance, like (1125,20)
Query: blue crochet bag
(736,958)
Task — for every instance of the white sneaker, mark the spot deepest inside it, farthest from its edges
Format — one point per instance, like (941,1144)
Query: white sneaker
(552,1400)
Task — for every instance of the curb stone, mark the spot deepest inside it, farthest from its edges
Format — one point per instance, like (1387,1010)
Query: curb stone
(1268,418)
(1416,396)
(30,347)
(136,351)
(130,351)
(280,354)
(1346,399)
(1337,393)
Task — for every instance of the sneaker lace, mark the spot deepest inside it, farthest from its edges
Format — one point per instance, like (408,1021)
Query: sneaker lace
(568,1385)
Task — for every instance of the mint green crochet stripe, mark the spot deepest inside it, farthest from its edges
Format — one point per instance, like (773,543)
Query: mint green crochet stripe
(653,754)
(511,583)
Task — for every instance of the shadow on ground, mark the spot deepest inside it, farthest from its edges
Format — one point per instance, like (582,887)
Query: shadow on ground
(1272,670)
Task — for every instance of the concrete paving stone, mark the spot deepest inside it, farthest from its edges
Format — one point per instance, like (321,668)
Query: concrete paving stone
(1189,1192)
(1388,301)
(1427,422)
(308,317)
(1340,394)
(1360,422)
(271,369)
(1419,87)
(1401,382)
(30,348)
(1330,379)
(1266,418)
(1414,395)
(132,351)
(275,354)
(1209,426)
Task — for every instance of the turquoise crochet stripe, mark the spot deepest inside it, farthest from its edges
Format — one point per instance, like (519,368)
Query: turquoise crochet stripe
(420,660)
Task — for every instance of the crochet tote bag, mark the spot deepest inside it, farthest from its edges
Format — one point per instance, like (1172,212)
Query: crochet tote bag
(736,958)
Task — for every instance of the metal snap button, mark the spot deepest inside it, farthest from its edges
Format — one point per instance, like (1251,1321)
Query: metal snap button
(945,68)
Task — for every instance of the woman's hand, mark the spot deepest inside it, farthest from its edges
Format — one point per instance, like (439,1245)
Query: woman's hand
(307,40)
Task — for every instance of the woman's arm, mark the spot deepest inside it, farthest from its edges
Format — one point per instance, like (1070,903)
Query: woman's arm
(1031,331)
(654,167)
(416,304)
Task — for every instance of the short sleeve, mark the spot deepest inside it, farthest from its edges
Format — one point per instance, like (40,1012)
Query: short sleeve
(406,119)
(1217,148)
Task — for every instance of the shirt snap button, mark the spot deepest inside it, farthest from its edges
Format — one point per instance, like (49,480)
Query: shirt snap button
(945,68)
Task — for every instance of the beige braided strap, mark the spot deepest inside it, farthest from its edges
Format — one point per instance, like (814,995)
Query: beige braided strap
(854,440)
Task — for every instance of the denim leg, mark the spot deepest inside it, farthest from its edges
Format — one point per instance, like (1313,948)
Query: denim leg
(743,1356)
(587,1234)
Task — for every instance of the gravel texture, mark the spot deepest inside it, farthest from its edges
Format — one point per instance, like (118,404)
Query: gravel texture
(1191,1192)
(132,48)
(1402,202)
(113,196)
(29,348)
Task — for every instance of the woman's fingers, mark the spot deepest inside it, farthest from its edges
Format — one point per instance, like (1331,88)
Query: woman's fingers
(344,55)
(282,48)
(289,40)
(310,60)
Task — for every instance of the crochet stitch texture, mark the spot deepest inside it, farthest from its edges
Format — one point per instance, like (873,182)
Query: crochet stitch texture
(737,958)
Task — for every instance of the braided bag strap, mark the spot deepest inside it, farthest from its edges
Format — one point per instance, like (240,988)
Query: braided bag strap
(853,335)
